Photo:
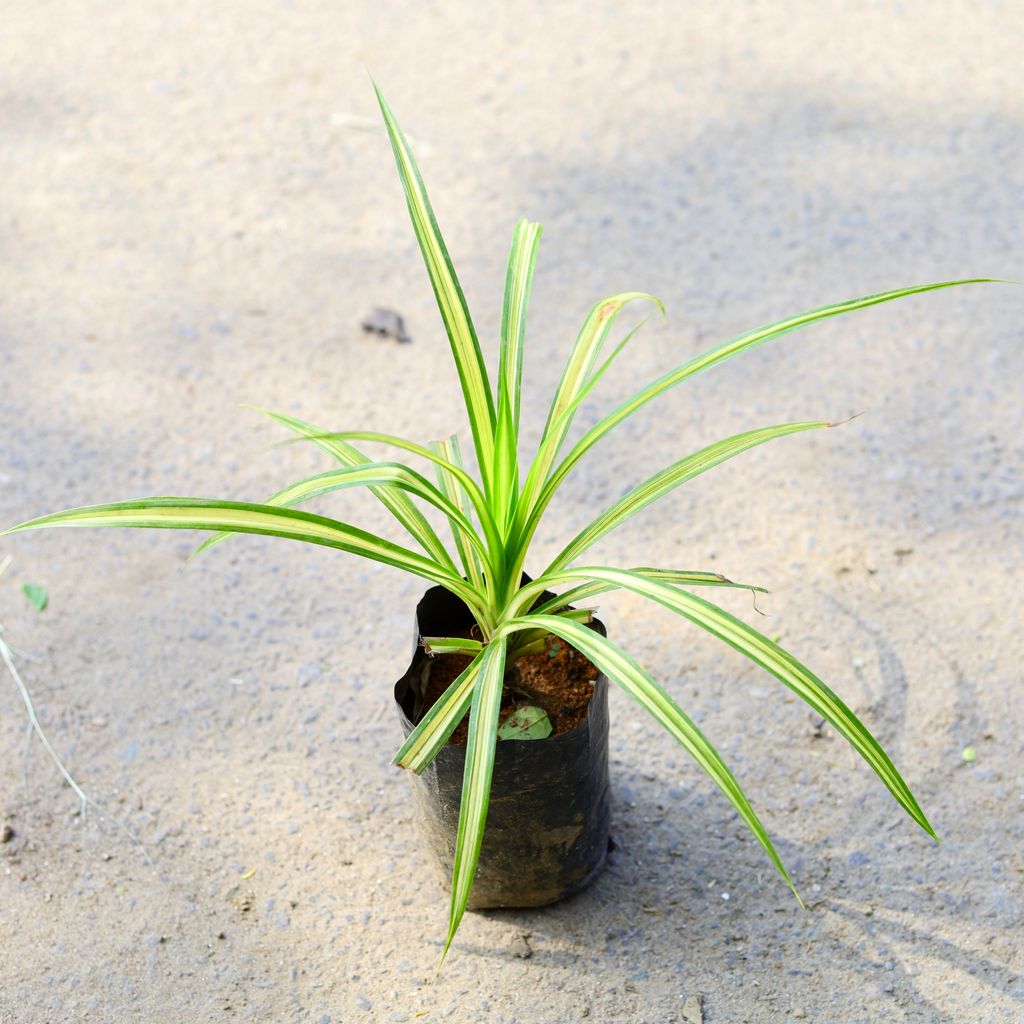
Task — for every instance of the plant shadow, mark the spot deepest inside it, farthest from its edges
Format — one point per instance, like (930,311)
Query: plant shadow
(684,876)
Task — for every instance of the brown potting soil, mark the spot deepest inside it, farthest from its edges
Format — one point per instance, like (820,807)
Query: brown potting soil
(558,679)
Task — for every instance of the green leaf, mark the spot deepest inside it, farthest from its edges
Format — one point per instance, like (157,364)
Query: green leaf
(451,645)
(37,595)
(518,280)
(586,350)
(449,465)
(578,378)
(396,501)
(585,591)
(534,641)
(439,721)
(476,781)
(526,723)
(667,480)
(622,669)
(778,662)
(448,292)
(368,474)
(711,358)
(453,469)
(243,517)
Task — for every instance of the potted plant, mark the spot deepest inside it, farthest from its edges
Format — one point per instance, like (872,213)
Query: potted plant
(484,610)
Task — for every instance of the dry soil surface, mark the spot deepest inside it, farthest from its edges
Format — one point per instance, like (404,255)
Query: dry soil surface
(198,209)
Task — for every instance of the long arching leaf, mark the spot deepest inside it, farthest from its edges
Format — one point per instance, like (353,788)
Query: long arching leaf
(577,377)
(518,280)
(766,653)
(622,669)
(465,348)
(476,781)
(368,474)
(711,358)
(396,501)
(448,464)
(585,591)
(439,722)
(667,480)
(244,517)
(455,470)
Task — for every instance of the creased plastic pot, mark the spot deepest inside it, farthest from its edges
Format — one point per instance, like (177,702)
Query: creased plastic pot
(547,826)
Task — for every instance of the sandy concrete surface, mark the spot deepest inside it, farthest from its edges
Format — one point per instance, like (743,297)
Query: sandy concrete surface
(193,215)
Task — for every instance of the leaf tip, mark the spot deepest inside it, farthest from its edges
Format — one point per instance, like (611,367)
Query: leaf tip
(444,952)
(839,423)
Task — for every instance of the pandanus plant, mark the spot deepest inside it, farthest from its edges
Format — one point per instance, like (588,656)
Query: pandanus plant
(494,519)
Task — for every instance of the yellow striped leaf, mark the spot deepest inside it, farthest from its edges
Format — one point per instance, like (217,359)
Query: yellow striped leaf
(448,455)
(450,301)
(476,781)
(585,591)
(243,517)
(518,280)
(439,721)
(622,669)
(368,474)
(780,663)
(711,358)
(667,480)
(394,500)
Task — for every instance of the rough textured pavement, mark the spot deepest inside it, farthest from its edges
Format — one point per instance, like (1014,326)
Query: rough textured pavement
(195,214)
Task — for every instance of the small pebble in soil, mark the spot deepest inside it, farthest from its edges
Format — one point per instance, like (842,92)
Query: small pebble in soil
(7,834)
(385,323)
(692,1010)
(520,948)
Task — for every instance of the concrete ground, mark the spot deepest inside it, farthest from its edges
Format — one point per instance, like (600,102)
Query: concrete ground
(196,211)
